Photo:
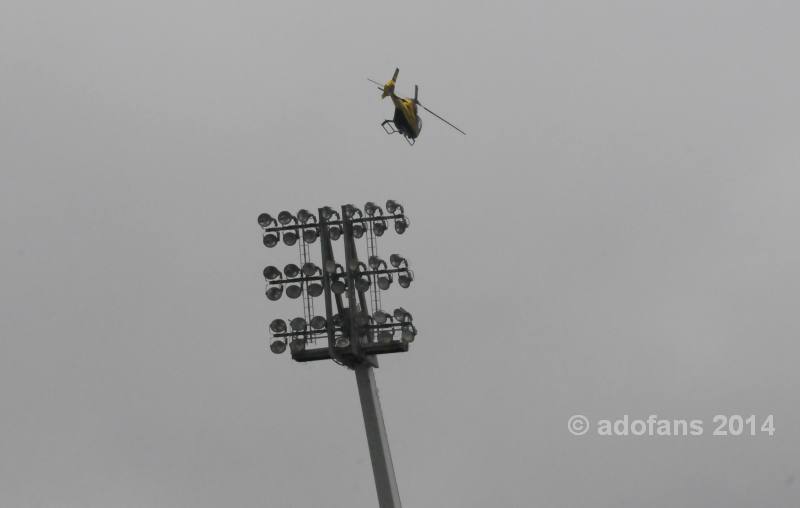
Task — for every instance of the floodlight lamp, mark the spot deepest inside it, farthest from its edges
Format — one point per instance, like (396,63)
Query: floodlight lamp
(265,220)
(310,235)
(310,269)
(400,226)
(405,279)
(298,324)
(392,206)
(362,285)
(304,216)
(370,208)
(358,230)
(375,262)
(278,326)
(342,342)
(351,211)
(408,334)
(328,212)
(338,287)
(271,240)
(379,227)
(314,289)
(271,273)
(402,315)
(318,322)
(291,270)
(380,317)
(335,232)
(297,346)
(338,320)
(396,260)
(384,282)
(290,238)
(385,336)
(278,346)
(294,291)
(285,217)
(274,293)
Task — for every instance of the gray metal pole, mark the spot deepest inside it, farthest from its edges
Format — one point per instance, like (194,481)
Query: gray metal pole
(382,468)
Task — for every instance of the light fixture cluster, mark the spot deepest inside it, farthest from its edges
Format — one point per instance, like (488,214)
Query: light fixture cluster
(383,273)
(296,277)
(386,325)
(293,278)
(292,228)
(381,328)
(297,332)
(376,333)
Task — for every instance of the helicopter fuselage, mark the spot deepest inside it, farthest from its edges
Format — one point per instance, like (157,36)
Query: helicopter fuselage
(405,117)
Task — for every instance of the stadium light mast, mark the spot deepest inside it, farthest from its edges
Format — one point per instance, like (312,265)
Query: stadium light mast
(353,335)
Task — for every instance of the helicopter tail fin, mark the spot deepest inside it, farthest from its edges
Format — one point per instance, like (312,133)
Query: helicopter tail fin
(388,88)
(416,94)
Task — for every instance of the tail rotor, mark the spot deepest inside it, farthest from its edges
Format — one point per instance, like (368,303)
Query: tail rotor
(388,88)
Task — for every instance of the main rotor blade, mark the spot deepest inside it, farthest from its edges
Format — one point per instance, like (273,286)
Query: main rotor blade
(380,85)
(442,119)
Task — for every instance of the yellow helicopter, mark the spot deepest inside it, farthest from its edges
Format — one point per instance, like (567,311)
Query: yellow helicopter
(406,121)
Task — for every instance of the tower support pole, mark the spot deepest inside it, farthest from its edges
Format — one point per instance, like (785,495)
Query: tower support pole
(382,468)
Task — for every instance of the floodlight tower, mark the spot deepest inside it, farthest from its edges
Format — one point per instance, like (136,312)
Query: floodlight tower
(354,334)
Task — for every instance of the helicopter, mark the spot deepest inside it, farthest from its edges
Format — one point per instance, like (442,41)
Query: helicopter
(406,121)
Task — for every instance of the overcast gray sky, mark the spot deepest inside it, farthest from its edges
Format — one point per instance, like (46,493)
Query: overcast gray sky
(616,234)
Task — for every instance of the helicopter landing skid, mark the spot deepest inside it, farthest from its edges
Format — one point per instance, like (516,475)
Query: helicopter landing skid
(391,128)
